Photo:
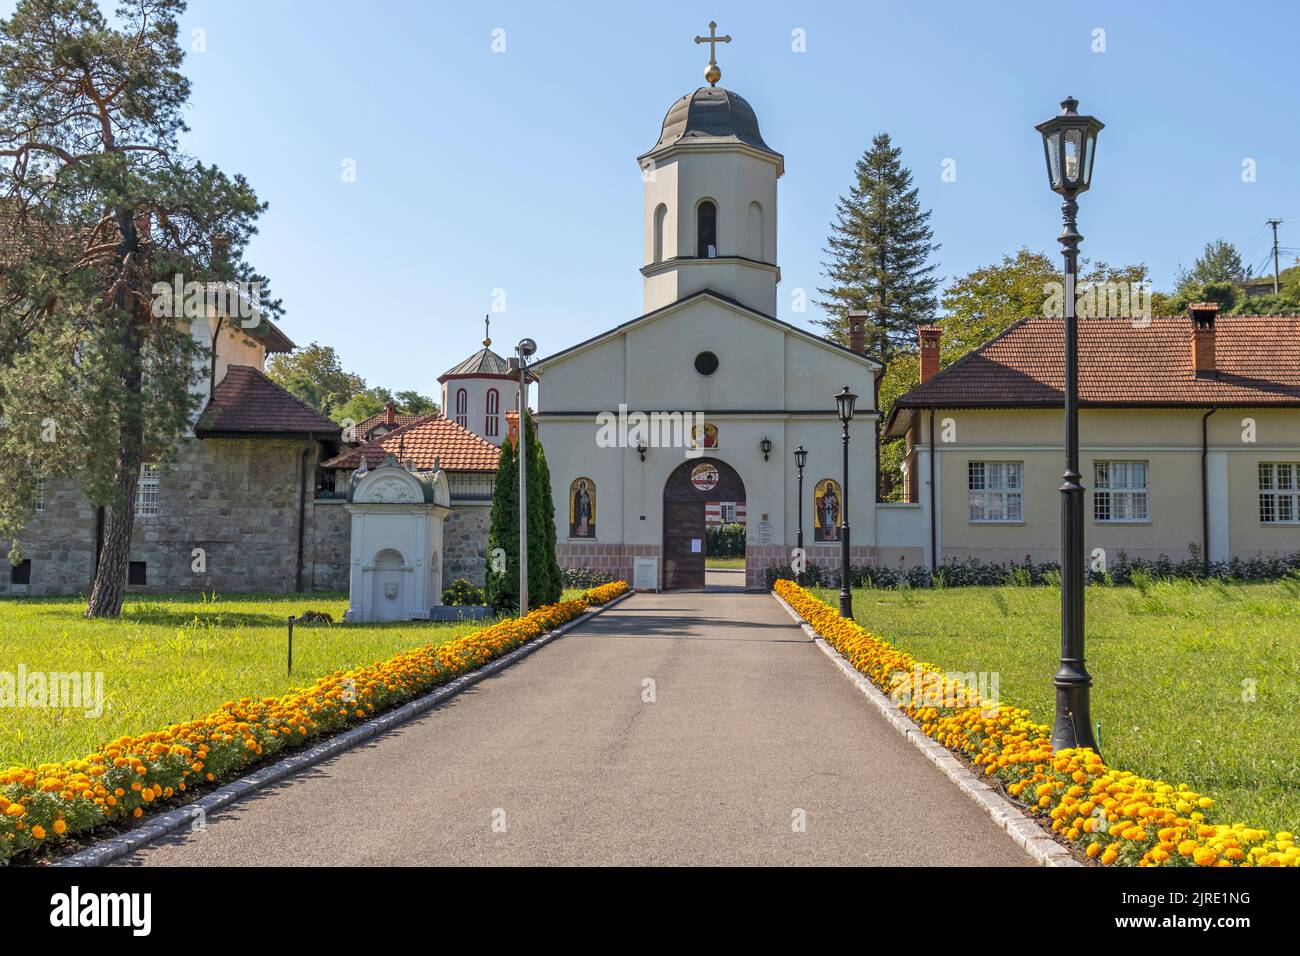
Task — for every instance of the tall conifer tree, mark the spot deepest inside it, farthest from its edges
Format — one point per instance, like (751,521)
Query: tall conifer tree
(879,251)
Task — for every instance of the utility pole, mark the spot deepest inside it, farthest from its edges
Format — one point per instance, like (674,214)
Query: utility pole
(1275,223)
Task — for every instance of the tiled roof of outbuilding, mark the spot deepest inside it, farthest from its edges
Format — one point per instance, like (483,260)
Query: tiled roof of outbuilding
(428,439)
(1122,362)
(247,402)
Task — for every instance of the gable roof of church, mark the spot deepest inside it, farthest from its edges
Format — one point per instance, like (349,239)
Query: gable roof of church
(430,438)
(1121,364)
(725,300)
(483,363)
(366,425)
(246,402)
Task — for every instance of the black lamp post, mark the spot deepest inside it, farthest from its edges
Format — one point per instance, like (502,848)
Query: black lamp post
(845,401)
(1069,142)
(800,459)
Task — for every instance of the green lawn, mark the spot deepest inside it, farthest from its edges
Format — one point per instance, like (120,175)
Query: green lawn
(1175,666)
(737,562)
(172,657)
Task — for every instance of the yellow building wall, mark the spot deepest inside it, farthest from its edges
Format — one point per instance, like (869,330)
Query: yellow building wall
(1169,440)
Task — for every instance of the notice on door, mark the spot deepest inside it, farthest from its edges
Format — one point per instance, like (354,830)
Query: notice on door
(695,545)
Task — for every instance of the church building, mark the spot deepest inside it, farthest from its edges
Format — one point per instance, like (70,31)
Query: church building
(709,351)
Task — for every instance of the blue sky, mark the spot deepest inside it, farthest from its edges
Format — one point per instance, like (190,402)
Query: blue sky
(479,171)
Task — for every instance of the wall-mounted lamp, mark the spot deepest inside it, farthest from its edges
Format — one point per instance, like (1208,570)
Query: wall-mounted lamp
(766,445)
(641,450)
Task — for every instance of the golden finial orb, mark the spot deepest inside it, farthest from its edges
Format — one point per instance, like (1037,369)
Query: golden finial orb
(712,74)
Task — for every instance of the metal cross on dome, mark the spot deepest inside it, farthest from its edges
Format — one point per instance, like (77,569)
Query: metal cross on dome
(713,74)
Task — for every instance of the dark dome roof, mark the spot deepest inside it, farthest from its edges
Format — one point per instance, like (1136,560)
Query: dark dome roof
(711,115)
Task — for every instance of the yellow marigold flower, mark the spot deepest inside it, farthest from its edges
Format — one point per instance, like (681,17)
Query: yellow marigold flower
(38,832)
(60,826)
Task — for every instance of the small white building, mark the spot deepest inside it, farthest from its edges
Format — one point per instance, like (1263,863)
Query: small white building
(397,536)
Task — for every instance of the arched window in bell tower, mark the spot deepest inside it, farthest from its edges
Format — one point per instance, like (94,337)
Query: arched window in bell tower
(661,219)
(757,241)
(706,230)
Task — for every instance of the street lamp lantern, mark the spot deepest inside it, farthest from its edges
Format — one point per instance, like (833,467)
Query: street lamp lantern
(844,402)
(765,446)
(1069,142)
(800,457)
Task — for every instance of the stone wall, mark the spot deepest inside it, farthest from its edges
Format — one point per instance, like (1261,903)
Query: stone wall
(331,544)
(236,499)
(464,543)
(60,544)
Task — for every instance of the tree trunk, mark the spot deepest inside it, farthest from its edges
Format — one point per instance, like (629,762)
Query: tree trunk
(115,551)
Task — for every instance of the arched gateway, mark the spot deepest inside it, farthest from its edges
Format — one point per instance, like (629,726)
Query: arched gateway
(689,490)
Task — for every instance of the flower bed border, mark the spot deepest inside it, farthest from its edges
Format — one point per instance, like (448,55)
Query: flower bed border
(1117,817)
(156,826)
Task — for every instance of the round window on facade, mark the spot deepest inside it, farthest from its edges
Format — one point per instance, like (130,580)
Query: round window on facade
(706,363)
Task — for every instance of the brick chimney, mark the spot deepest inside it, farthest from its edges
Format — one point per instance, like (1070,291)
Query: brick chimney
(857,332)
(390,415)
(929,337)
(512,427)
(1203,315)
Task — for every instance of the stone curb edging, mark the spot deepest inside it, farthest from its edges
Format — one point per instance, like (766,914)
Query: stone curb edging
(114,848)
(1027,833)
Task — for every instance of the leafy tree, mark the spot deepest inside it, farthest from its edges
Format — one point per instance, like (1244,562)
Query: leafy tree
(879,248)
(983,303)
(977,307)
(413,403)
(1220,262)
(103,208)
(316,376)
(372,401)
(545,582)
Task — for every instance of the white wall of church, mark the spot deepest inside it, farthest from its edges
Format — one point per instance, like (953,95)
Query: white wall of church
(629,492)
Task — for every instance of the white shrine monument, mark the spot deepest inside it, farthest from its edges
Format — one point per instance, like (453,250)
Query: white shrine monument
(395,569)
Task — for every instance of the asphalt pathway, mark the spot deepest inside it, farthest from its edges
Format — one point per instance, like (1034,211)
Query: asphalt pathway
(683,728)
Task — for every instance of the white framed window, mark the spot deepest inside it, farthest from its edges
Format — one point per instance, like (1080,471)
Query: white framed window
(997,490)
(492,422)
(1120,492)
(38,496)
(146,492)
(1279,492)
(462,407)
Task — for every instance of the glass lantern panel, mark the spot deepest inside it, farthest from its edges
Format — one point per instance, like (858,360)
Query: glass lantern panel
(1087,158)
(1073,147)
(1054,158)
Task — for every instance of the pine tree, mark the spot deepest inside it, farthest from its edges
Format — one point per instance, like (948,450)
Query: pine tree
(879,249)
(105,210)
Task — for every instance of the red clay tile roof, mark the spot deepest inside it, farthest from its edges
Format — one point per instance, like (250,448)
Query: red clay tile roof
(365,425)
(427,438)
(1121,363)
(247,402)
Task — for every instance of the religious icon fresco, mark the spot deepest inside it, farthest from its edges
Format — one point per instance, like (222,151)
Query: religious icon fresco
(826,510)
(710,439)
(582,508)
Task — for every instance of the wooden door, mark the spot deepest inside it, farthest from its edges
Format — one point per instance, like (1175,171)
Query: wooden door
(694,483)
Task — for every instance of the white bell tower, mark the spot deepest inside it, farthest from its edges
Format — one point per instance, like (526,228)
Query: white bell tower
(710,200)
